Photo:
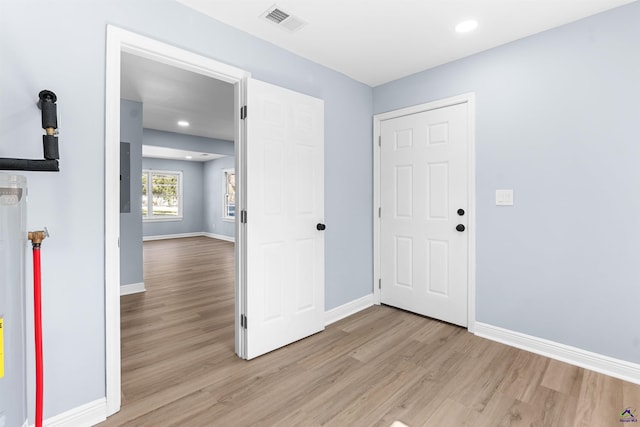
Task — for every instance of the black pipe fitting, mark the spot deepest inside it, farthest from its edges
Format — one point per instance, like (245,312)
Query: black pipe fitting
(49,109)
(47,104)
(29,165)
(50,147)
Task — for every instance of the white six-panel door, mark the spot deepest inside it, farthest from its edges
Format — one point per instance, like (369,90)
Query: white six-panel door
(285,202)
(423,184)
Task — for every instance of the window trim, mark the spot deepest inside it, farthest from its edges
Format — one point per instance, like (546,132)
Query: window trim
(224,195)
(180,216)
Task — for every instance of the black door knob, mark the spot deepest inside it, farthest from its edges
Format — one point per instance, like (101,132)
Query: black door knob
(460,227)
(320,227)
(460,212)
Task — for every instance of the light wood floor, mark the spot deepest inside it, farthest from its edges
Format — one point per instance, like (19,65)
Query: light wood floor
(375,367)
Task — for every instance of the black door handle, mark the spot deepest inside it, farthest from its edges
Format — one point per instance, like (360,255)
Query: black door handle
(460,212)
(460,227)
(320,227)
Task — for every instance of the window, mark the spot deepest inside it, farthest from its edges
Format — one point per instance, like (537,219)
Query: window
(165,200)
(229,194)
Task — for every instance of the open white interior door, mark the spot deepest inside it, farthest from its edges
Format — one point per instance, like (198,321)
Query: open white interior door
(284,217)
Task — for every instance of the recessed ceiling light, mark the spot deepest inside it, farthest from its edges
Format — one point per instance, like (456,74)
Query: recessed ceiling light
(188,157)
(183,123)
(466,26)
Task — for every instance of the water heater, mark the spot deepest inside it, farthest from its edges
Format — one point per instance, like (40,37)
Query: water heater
(13,240)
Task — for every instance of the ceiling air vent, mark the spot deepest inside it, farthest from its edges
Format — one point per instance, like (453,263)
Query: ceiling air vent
(283,19)
(277,16)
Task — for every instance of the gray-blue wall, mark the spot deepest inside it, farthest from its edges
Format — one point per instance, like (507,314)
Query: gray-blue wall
(71,203)
(192,198)
(187,142)
(555,121)
(213,190)
(130,223)
(198,194)
(204,194)
(558,121)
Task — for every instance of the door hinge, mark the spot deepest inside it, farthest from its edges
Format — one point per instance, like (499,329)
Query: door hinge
(380,212)
(243,321)
(243,112)
(243,216)
(379,140)
(379,283)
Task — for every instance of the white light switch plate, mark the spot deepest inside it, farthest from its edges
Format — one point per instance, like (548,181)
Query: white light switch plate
(504,197)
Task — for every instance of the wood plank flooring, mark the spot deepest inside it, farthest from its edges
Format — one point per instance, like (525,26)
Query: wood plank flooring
(370,369)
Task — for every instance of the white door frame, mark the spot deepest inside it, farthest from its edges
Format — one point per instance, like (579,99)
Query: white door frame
(468,98)
(118,41)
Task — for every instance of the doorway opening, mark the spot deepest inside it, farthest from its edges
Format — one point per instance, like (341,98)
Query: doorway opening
(118,42)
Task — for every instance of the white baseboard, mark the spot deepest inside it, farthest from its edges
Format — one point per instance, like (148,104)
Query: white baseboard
(171,236)
(617,368)
(220,237)
(86,415)
(132,288)
(182,235)
(347,309)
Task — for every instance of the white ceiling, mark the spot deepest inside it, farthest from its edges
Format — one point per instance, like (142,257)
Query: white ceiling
(169,94)
(377,41)
(373,41)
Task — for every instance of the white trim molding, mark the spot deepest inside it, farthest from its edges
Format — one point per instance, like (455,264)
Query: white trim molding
(616,368)
(88,414)
(118,41)
(347,309)
(132,288)
(220,237)
(171,236)
(183,235)
(469,99)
